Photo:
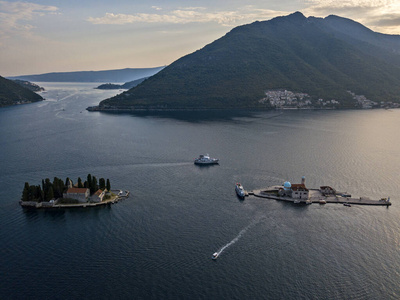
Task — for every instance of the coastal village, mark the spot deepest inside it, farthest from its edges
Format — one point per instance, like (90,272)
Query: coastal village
(284,99)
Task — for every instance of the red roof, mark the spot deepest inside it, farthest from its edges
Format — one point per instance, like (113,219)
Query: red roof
(77,190)
(299,187)
(326,187)
(98,192)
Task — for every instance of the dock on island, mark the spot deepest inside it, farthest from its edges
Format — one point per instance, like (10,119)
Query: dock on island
(317,197)
(300,194)
(119,195)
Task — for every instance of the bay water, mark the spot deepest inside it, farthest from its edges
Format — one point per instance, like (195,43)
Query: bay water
(158,243)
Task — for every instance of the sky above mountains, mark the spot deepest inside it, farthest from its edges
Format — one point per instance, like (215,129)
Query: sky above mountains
(56,35)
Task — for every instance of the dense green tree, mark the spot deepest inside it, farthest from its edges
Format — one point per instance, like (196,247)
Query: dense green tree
(94,187)
(80,185)
(39,194)
(58,187)
(67,182)
(50,194)
(108,186)
(102,184)
(89,180)
(25,192)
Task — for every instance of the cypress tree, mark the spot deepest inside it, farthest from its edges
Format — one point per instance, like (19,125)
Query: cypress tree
(50,194)
(89,181)
(47,186)
(80,183)
(25,192)
(102,184)
(38,193)
(32,193)
(94,187)
(108,186)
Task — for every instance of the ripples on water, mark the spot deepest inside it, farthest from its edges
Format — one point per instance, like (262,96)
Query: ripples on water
(158,243)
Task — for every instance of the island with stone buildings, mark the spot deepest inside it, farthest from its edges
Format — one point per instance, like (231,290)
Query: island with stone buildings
(62,194)
(298,193)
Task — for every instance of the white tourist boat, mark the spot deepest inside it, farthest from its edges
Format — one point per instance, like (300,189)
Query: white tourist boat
(205,160)
(240,190)
(215,255)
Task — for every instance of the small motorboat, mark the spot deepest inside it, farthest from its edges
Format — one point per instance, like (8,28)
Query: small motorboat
(240,190)
(347,204)
(215,255)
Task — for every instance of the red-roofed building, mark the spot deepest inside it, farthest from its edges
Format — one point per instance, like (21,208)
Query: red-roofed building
(327,190)
(98,196)
(299,191)
(80,194)
(296,191)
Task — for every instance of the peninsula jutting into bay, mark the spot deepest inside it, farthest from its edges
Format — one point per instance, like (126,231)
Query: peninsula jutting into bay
(286,62)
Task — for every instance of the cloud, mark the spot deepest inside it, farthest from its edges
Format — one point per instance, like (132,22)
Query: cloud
(375,14)
(15,16)
(187,15)
(389,20)
(343,5)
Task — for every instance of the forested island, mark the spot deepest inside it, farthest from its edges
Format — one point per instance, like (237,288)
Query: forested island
(60,193)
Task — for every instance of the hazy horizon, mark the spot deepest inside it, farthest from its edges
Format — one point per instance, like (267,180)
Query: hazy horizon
(44,36)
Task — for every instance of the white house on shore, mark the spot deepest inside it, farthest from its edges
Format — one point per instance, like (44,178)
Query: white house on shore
(80,194)
(98,196)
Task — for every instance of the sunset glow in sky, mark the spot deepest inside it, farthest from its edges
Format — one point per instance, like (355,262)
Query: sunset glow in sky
(57,35)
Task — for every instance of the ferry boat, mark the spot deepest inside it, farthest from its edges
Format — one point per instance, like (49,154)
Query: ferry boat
(240,190)
(215,255)
(205,160)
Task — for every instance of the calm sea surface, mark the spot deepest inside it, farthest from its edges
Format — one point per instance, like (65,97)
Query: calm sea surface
(158,243)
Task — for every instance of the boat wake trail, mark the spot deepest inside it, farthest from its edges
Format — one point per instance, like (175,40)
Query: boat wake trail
(241,233)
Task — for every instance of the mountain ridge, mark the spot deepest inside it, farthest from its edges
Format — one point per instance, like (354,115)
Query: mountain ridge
(295,53)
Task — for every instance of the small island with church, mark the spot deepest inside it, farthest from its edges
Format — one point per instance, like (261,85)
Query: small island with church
(298,193)
(62,194)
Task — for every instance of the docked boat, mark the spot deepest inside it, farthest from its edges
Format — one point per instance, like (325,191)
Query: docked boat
(215,255)
(240,190)
(347,204)
(206,160)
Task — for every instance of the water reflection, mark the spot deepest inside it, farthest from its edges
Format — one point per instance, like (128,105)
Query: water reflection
(197,116)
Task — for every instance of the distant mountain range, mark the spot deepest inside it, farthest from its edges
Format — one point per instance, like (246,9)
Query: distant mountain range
(323,57)
(12,93)
(121,75)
